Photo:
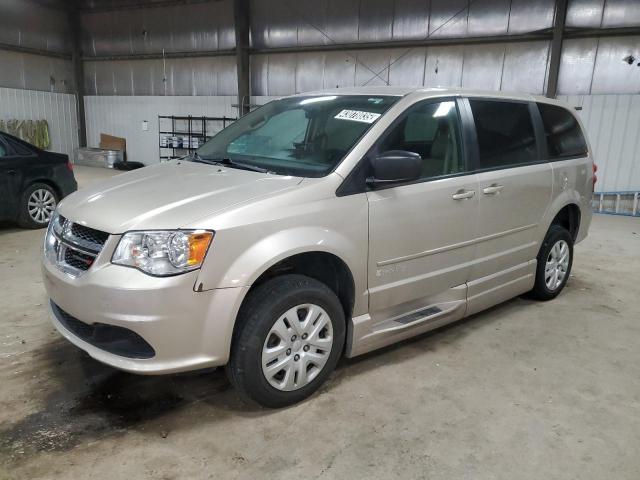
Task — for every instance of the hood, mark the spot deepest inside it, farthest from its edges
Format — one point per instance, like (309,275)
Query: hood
(168,195)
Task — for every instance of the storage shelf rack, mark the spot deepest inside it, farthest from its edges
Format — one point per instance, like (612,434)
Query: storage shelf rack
(177,135)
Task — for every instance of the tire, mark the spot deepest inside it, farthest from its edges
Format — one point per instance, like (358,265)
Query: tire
(37,204)
(545,287)
(268,307)
(127,166)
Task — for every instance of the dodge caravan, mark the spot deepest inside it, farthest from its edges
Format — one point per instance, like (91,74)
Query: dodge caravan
(321,225)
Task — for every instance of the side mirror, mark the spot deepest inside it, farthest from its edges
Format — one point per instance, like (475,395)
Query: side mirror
(395,166)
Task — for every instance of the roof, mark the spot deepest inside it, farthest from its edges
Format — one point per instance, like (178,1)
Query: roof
(429,92)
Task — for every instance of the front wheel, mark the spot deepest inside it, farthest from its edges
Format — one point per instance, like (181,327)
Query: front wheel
(289,339)
(554,263)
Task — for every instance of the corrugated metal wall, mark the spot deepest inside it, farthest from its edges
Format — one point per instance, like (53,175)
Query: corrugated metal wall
(612,123)
(123,116)
(30,24)
(510,67)
(588,66)
(35,72)
(197,27)
(34,87)
(58,109)
(180,76)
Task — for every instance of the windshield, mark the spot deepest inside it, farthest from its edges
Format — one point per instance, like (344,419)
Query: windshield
(299,136)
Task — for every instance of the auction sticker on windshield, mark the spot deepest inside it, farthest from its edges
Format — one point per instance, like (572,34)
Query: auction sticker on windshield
(357,116)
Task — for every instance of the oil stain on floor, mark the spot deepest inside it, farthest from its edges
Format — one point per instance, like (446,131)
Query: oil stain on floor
(103,402)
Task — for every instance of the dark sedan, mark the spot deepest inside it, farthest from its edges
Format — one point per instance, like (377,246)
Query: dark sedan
(32,182)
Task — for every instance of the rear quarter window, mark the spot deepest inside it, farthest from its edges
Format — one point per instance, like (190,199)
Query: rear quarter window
(18,148)
(562,132)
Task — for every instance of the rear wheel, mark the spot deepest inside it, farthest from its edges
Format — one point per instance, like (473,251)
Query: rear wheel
(290,336)
(554,263)
(38,203)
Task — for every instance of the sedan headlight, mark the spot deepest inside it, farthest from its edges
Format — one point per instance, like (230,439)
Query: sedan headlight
(163,252)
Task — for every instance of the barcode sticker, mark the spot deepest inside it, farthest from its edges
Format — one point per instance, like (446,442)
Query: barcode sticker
(357,116)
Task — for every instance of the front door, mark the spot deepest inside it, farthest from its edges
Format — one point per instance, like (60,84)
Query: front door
(421,235)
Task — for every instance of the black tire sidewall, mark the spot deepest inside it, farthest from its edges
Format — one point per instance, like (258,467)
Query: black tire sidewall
(555,234)
(24,219)
(257,317)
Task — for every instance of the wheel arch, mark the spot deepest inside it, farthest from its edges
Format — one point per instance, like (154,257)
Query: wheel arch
(569,217)
(327,268)
(46,181)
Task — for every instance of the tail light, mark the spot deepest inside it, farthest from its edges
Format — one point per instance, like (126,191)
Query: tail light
(70,165)
(595,177)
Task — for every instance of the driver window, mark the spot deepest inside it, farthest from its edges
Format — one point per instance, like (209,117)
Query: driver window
(432,130)
(3,151)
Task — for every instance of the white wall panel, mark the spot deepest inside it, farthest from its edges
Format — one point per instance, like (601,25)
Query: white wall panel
(612,123)
(58,109)
(122,116)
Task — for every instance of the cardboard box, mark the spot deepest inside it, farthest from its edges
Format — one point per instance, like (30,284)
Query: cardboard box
(109,142)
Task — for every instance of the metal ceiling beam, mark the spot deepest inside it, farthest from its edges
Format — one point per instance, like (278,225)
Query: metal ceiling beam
(34,51)
(55,4)
(75,28)
(529,37)
(601,32)
(138,5)
(155,56)
(241,17)
(559,21)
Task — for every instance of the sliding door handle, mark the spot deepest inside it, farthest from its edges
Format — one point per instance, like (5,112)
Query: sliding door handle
(463,194)
(493,189)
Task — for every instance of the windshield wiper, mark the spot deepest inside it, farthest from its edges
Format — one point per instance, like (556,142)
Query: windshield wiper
(231,163)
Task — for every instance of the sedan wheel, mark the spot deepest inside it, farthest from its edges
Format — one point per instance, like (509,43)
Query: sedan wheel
(41,205)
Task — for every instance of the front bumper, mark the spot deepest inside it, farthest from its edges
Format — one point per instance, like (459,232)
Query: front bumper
(187,330)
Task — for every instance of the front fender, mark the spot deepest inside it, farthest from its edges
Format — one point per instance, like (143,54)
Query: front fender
(242,266)
(269,251)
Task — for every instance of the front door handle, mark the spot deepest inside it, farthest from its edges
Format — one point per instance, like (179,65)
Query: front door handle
(493,189)
(463,194)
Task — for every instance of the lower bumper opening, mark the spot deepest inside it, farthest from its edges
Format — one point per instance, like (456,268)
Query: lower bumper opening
(110,338)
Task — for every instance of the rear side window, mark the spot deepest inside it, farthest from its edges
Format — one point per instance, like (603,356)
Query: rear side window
(18,148)
(562,132)
(505,133)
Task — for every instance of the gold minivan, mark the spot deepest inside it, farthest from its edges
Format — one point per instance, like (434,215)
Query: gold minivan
(321,225)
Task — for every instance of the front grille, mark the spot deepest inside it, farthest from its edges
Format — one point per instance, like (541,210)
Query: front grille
(77,259)
(110,338)
(88,237)
(73,247)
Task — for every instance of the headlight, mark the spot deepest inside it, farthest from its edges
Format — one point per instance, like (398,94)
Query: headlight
(163,252)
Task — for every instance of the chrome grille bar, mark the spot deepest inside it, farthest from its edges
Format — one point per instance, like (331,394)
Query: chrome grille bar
(72,247)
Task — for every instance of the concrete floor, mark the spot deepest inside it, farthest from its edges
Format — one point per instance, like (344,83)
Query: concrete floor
(525,390)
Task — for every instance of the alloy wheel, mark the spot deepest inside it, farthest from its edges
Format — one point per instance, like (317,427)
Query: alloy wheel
(41,205)
(557,265)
